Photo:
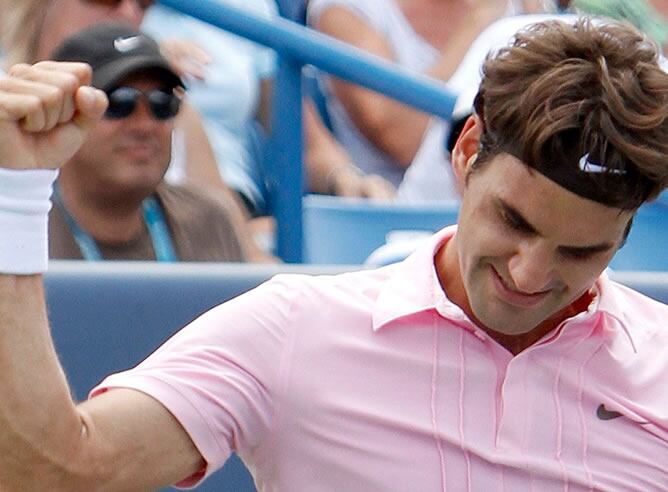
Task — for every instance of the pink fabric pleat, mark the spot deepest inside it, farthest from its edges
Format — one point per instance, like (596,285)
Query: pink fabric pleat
(434,414)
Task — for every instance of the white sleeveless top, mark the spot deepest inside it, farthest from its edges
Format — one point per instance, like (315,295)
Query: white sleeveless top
(413,52)
(410,50)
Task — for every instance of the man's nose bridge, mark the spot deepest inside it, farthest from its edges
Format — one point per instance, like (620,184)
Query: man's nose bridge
(532,266)
(142,111)
(131,11)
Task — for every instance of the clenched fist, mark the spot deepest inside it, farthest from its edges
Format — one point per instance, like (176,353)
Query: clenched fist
(46,111)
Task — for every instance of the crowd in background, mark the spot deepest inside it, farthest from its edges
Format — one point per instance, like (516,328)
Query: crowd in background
(363,145)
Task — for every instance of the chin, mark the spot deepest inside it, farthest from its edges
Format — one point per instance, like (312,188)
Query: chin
(508,320)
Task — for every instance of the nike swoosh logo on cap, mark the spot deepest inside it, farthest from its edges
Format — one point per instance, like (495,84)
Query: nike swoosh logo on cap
(127,44)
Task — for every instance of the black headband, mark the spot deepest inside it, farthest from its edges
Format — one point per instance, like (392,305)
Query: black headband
(590,178)
(585,173)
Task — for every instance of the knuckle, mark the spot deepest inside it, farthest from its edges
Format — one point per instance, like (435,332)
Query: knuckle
(83,70)
(53,96)
(19,69)
(33,104)
(69,82)
(41,65)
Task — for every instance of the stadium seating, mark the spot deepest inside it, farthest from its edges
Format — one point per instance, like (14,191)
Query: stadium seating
(347,230)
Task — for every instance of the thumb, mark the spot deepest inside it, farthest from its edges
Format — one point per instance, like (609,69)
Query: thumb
(90,104)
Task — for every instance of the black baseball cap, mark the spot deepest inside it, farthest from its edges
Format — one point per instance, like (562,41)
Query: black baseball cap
(115,51)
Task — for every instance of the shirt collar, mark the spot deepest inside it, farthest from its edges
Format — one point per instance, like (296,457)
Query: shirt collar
(613,300)
(413,287)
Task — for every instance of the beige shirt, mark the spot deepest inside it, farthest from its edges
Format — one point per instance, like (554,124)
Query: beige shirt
(198,221)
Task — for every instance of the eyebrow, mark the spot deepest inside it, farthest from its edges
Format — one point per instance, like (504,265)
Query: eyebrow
(525,225)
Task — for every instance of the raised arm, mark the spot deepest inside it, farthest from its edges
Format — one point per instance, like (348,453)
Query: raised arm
(121,440)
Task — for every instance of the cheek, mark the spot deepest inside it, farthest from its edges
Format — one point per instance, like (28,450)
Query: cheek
(578,277)
(487,238)
(166,143)
(101,139)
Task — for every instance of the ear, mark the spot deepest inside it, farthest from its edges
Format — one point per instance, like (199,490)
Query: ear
(465,150)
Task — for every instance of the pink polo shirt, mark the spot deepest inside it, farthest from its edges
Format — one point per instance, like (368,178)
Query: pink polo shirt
(375,381)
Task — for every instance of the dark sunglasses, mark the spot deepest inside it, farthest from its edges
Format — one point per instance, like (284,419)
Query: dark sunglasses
(123,102)
(143,4)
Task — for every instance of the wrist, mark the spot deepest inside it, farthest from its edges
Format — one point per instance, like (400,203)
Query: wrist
(334,176)
(24,207)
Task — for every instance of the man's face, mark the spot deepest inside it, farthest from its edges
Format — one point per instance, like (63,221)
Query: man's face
(527,248)
(66,17)
(89,12)
(126,155)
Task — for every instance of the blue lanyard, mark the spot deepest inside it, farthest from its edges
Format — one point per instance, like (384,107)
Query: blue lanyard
(155,222)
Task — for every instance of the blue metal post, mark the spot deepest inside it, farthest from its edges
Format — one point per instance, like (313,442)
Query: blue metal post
(284,161)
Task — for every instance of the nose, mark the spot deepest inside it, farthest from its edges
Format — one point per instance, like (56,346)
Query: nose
(142,117)
(531,268)
(131,12)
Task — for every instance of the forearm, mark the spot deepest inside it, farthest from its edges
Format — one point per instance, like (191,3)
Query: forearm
(41,432)
(398,129)
(329,167)
(453,54)
(393,127)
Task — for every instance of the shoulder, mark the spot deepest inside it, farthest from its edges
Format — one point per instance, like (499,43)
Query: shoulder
(61,241)
(327,297)
(289,302)
(189,199)
(633,364)
(371,11)
(644,319)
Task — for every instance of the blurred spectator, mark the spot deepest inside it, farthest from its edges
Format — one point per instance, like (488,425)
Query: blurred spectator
(111,201)
(29,30)
(421,181)
(232,90)
(32,28)
(383,135)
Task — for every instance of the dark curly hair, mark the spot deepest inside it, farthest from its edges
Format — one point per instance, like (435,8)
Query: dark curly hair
(563,92)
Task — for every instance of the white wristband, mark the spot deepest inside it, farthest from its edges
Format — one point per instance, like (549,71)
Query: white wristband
(24,211)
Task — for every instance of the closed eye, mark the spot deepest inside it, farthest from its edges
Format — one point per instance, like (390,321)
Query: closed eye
(514,220)
(582,254)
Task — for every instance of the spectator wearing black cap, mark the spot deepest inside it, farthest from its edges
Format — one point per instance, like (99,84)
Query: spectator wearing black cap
(111,200)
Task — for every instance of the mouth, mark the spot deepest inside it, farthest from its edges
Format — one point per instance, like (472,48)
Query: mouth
(139,150)
(515,297)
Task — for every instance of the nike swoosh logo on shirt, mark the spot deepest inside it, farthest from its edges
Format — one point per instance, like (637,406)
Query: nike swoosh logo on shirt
(605,414)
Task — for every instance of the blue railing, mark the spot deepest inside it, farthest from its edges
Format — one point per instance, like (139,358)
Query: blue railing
(297,46)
